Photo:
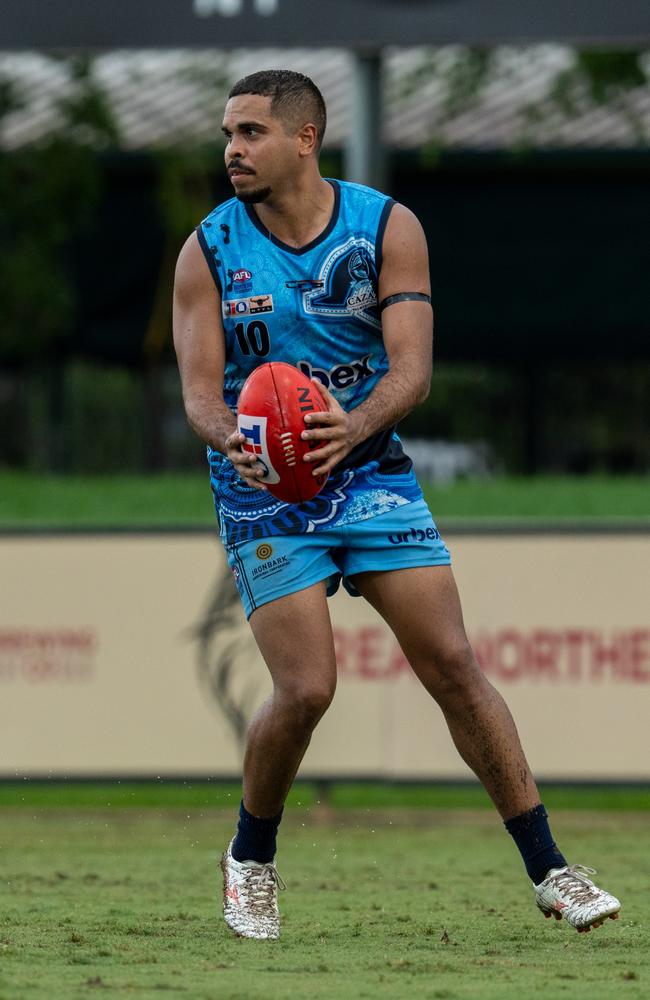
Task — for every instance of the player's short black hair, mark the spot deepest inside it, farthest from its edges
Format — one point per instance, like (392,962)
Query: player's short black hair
(294,97)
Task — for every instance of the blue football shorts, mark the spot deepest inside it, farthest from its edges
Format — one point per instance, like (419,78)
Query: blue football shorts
(284,564)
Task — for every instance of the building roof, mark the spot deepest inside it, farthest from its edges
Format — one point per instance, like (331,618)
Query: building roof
(451,97)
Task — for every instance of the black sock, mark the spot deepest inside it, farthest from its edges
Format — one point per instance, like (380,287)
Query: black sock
(532,835)
(255,838)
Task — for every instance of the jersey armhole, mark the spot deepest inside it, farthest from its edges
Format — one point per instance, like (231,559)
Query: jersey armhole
(209,257)
(381,229)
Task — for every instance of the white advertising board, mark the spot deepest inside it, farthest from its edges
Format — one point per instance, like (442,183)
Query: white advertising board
(126,654)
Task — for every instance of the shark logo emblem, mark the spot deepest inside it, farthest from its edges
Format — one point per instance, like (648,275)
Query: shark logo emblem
(349,278)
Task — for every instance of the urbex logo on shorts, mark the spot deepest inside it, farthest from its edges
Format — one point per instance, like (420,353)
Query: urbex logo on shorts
(414,535)
(341,376)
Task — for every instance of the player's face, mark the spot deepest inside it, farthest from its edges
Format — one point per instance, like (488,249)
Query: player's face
(259,154)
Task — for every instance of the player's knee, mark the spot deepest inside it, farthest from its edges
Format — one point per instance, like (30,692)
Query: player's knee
(307,703)
(454,675)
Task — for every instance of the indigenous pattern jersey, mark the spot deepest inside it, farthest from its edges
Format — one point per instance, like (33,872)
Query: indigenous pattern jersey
(316,308)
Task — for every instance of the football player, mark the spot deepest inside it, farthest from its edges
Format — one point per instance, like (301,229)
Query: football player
(334,278)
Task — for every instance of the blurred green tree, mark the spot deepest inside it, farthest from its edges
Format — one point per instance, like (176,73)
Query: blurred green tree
(48,191)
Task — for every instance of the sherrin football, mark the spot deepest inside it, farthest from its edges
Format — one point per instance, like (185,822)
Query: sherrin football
(271,415)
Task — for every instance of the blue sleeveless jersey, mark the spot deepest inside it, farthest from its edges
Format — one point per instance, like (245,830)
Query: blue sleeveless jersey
(316,308)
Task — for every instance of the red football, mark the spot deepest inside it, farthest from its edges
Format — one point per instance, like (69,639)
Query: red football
(271,414)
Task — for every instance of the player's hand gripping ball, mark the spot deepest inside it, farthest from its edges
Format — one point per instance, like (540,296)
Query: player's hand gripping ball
(271,416)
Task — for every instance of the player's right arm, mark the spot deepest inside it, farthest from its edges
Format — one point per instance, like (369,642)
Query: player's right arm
(201,352)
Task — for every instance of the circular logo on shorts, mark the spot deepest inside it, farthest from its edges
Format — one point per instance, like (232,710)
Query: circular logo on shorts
(264,551)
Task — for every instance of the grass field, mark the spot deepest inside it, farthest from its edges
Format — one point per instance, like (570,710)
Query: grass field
(58,501)
(381,902)
(410,892)
(188,795)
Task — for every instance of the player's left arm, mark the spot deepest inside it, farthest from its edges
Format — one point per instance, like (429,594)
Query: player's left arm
(408,334)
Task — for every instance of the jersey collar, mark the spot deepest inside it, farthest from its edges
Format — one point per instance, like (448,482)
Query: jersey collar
(298,251)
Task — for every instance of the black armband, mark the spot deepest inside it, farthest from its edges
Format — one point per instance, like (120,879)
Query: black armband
(404,297)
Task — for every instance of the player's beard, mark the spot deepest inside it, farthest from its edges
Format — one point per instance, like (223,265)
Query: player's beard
(254,197)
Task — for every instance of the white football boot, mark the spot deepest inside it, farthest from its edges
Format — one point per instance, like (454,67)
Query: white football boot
(250,897)
(567,892)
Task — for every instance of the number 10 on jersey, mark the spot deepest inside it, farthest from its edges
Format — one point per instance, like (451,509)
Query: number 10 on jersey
(253,338)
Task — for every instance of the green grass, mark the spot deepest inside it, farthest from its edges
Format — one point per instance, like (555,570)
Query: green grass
(306,795)
(544,497)
(380,904)
(134,501)
(96,501)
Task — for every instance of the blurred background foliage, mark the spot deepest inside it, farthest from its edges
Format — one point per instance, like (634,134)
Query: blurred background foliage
(65,407)
(596,77)
(49,192)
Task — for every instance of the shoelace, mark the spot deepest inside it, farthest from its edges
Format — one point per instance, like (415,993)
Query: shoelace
(260,883)
(565,880)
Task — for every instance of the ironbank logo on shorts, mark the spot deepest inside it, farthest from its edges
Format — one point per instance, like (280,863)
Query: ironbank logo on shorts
(270,567)
(414,535)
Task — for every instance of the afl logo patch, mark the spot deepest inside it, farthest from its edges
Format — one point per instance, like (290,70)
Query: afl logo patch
(241,275)
(264,551)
